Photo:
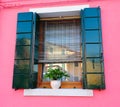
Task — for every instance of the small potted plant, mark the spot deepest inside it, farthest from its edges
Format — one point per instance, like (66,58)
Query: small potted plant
(55,75)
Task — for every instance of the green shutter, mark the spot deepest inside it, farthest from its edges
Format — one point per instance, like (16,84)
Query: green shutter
(92,52)
(24,75)
(36,49)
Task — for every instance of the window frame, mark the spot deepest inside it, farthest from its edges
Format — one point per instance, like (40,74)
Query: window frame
(56,12)
(44,84)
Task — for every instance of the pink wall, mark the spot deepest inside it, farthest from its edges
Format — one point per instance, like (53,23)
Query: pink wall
(111,42)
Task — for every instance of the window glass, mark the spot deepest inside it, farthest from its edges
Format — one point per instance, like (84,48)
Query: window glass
(35,68)
(91,12)
(92,50)
(21,81)
(94,80)
(24,27)
(36,40)
(74,70)
(21,66)
(93,65)
(25,16)
(61,41)
(91,23)
(24,39)
(62,45)
(36,53)
(22,52)
(92,36)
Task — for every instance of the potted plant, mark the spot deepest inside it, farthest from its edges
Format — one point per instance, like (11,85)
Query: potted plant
(55,75)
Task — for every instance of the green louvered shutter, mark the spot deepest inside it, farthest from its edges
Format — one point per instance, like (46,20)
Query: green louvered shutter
(92,52)
(24,75)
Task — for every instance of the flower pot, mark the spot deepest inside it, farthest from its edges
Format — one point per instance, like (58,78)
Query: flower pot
(55,84)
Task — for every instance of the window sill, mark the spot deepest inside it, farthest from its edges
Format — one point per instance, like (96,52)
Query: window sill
(58,92)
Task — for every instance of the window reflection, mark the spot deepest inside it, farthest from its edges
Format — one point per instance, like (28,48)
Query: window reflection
(61,41)
(22,66)
(73,69)
(92,50)
(22,52)
(24,27)
(23,39)
(92,36)
(91,23)
(62,45)
(93,65)
(94,80)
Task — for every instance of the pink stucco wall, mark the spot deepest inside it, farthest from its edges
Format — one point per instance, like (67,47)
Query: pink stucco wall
(111,43)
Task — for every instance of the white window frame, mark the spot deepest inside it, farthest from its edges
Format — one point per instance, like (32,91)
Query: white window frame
(58,12)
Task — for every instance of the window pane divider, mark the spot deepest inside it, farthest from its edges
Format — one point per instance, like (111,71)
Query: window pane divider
(23,59)
(91,29)
(93,43)
(23,45)
(58,61)
(94,72)
(59,18)
(24,32)
(24,20)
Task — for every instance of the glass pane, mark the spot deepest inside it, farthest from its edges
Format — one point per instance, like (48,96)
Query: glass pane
(21,81)
(92,36)
(22,66)
(93,65)
(91,23)
(74,70)
(24,39)
(91,12)
(25,16)
(22,52)
(92,50)
(36,53)
(24,27)
(36,40)
(34,79)
(94,80)
(35,68)
(62,41)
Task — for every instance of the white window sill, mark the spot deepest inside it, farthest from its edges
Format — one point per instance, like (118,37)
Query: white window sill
(58,92)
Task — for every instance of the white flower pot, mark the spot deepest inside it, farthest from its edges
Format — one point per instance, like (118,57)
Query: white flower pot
(55,84)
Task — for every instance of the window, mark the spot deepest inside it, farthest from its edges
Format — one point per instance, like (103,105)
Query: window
(42,44)
(60,45)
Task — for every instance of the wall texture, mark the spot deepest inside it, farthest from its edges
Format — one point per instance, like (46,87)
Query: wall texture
(111,42)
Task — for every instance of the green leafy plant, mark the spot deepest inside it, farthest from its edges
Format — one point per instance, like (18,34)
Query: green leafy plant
(55,74)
